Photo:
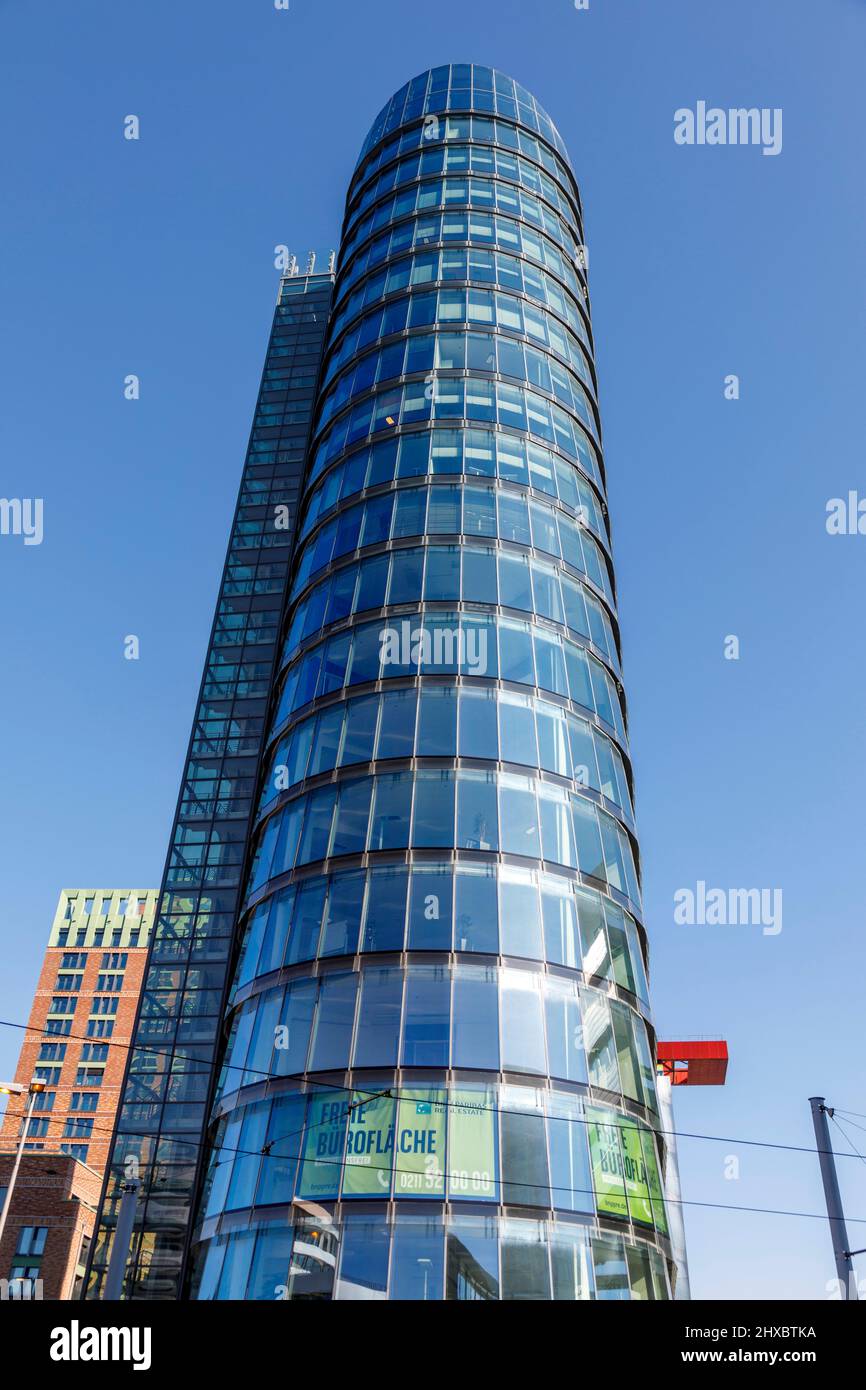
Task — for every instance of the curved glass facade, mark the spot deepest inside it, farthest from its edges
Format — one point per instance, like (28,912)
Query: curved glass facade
(439,1075)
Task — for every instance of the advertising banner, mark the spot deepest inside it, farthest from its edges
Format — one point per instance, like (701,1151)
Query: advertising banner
(324,1142)
(472,1145)
(419,1144)
(607,1171)
(655,1182)
(635,1170)
(370,1147)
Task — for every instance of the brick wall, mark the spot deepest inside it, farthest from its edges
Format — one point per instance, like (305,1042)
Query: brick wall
(61,1194)
(109,1091)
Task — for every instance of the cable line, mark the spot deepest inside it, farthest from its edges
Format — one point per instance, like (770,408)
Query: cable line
(538,1186)
(848,1140)
(315,1084)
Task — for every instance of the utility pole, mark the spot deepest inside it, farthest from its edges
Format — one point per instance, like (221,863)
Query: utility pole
(12,1088)
(122,1237)
(835,1214)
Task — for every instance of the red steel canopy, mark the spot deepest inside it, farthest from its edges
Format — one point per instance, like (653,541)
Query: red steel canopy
(694,1063)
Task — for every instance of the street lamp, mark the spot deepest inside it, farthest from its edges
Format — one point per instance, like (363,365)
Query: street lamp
(15,1088)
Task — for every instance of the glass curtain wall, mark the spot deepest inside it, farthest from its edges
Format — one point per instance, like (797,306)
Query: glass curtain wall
(439,1076)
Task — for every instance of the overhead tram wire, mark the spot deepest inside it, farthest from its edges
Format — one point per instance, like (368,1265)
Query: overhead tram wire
(506,1182)
(862,1128)
(848,1140)
(316,1084)
(499,1182)
(858,1114)
(265,1152)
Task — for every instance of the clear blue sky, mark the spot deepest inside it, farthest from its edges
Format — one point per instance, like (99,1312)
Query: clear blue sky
(156,258)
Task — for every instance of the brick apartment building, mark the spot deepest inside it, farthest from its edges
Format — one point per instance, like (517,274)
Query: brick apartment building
(44,1249)
(80,1026)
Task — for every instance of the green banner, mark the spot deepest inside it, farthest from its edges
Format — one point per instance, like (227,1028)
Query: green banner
(370,1148)
(607,1171)
(635,1170)
(419,1144)
(327,1113)
(472,1145)
(655,1182)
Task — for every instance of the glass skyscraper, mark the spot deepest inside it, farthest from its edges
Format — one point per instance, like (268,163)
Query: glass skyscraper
(161,1122)
(437,1066)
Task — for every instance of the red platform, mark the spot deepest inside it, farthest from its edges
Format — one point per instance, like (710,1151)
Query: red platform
(695,1063)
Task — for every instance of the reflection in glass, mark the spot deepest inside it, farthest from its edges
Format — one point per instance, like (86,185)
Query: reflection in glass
(417,1259)
(363,1265)
(473,1260)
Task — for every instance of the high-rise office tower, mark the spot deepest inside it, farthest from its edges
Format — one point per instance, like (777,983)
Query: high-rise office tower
(437,1072)
(163,1117)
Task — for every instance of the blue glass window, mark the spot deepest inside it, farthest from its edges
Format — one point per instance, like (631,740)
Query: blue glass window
(391,808)
(566,1056)
(522,1023)
(360,730)
(525,1179)
(427,1017)
(525,1267)
(274,942)
(384,922)
(430,910)
(277,1177)
(306,921)
(562,943)
(477,815)
(611,1273)
(246,1167)
(519,917)
(317,826)
(475,1037)
(517,730)
(478,725)
(343,920)
(335,1017)
(417,1259)
(433,812)
(589,855)
(476,923)
(353,814)
(397,730)
(518,817)
(437,723)
(269,1271)
(293,1025)
(379,1018)
(364,1257)
(472,1260)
